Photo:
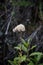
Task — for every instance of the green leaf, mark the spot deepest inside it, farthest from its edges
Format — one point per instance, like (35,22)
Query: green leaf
(17,48)
(24,48)
(11,62)
(16,60)
(25,43)
(20,59)
(33,47)
(30,63)
(29,40)
(38,58)
(33,59)
(36,53)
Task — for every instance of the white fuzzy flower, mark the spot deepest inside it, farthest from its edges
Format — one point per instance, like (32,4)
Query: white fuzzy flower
(19,28)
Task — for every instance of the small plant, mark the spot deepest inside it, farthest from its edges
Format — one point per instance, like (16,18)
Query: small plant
(24,54)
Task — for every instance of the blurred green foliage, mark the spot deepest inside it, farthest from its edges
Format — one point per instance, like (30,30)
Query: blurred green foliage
(24,54)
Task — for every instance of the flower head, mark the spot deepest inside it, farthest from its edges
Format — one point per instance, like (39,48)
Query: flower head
(19,28)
